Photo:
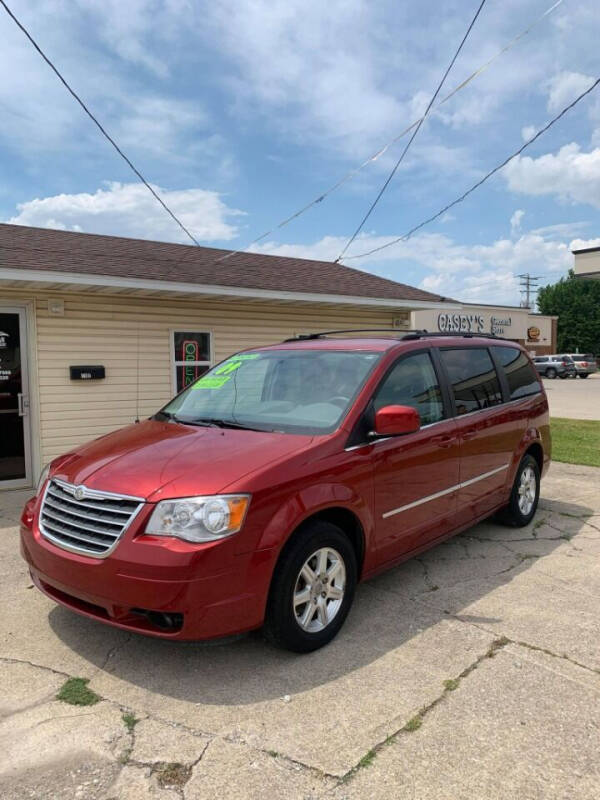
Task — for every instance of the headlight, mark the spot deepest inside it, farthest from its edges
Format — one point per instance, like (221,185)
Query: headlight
(199,519)
(42,479)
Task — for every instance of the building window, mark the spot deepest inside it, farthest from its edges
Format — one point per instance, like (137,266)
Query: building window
(191,357)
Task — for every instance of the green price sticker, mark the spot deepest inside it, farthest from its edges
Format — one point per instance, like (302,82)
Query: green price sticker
(212,383)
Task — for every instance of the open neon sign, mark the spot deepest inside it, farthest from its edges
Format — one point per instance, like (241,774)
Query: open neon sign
(189,353)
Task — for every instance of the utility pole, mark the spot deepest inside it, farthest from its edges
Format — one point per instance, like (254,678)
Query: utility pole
(528,286)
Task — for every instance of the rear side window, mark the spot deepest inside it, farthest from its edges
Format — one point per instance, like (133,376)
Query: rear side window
(521,377)
(413,382)
(473,379)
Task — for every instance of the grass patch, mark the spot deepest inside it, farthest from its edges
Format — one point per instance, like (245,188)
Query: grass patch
(413,724)
(273,753)
(576,441)
(451,684)
(76,692)
(130,721)
(172,775)
(366,760)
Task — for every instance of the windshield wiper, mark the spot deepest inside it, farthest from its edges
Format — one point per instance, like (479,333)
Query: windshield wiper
(228,423)
(174,418)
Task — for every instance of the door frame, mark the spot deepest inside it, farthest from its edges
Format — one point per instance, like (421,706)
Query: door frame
(24,311)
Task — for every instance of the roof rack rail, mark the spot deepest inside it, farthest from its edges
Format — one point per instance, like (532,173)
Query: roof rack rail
(465,335)
(403,335)
(308,336)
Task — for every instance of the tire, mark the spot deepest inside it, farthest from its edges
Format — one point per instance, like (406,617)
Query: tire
(551,373)
(288,622)
(564,375)
(522,505)
(583,374)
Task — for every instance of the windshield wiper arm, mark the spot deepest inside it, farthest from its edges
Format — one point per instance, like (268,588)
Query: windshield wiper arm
(228,423)
(206,423)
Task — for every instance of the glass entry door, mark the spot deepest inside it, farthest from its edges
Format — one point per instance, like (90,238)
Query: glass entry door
(15,434)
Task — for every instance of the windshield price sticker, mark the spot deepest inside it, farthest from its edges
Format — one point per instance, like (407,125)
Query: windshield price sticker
(221,375)
(211,382)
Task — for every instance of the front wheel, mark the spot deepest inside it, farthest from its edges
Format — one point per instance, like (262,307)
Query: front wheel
(583,374)
(524,495)
(551,373)
(312,590)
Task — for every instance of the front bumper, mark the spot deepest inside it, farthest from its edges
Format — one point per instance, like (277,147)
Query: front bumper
(163,588)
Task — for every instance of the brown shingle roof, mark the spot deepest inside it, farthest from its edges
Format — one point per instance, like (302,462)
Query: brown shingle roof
(28,248)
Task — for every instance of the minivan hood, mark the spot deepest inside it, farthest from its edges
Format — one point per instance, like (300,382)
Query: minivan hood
(157,460)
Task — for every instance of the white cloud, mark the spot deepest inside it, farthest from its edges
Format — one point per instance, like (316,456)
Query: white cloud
(482,273)
(561,230)
(582,244)
(130,210)
(566,86)
(515,220)
(527,132)
(570,174)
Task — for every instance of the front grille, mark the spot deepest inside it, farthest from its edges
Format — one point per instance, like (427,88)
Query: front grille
(92,525)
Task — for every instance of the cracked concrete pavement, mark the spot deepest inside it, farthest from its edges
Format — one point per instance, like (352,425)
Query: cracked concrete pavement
(471,671)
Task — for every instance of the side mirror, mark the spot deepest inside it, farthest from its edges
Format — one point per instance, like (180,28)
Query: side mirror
(396,420)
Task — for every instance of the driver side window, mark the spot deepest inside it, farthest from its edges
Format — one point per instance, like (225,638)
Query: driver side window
(413,382)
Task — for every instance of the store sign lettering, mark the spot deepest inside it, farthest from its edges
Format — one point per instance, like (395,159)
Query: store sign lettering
(472,323)
(3,338)
(460,323)
(498,325)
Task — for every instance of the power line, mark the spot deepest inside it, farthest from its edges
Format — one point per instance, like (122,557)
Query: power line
(353,172)
(98,125)
(458,200)
(412,138)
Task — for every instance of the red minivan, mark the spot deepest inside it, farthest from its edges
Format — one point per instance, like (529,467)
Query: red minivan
(267,489)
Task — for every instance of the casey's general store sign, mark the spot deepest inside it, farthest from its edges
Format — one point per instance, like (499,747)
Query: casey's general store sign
(473,323)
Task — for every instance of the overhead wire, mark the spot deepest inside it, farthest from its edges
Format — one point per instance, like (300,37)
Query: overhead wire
(476,185)
(100,127)
(371,159)
(390,177)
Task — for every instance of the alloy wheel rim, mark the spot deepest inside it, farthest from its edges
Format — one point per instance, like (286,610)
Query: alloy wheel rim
(319,590)
(527,491)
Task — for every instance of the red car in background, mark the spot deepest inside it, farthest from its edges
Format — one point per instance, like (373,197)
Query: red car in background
(267,489)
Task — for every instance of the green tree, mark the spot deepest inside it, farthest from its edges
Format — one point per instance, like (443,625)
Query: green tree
(577,303)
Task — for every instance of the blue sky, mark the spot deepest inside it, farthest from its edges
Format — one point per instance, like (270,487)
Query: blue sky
(241,111)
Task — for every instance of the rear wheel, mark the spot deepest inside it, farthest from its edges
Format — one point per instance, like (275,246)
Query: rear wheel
(551,373)
(312,590)
(524,495)
(583,374)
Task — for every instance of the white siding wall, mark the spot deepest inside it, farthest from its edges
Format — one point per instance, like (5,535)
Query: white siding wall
(100,329)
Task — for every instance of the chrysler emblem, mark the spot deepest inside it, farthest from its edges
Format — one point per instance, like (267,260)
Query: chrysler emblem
(79,492)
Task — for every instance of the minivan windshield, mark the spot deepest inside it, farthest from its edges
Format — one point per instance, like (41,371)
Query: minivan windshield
(293,391)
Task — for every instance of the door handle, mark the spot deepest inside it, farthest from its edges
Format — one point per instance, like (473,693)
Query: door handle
(445,440)
(23,404)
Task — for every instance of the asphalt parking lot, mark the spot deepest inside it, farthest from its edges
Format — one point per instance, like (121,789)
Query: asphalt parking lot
(574,398)
(472,671)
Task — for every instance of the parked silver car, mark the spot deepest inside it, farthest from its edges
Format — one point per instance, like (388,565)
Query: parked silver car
(555,366)
(585,363)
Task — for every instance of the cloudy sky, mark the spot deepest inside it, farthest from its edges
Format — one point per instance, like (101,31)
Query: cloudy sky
(242,111)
